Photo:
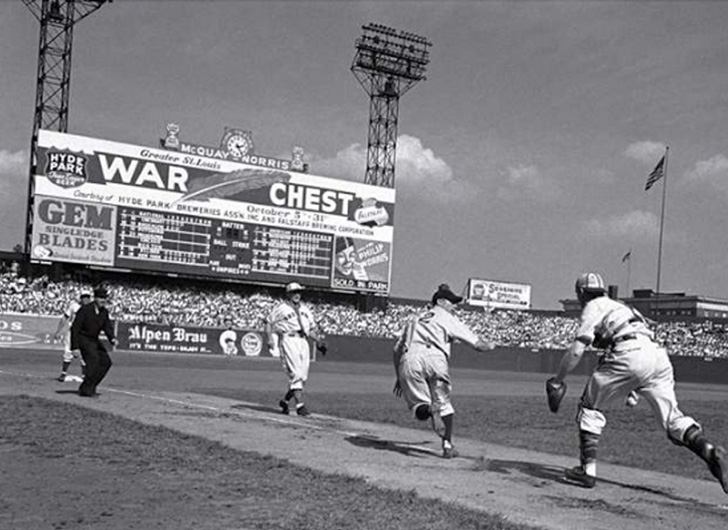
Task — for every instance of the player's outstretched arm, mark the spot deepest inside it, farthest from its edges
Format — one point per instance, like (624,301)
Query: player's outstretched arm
(570,360)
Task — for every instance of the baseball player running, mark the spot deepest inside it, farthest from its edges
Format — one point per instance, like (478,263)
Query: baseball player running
(289,326)
(64,330)
(632,362)
(421,363)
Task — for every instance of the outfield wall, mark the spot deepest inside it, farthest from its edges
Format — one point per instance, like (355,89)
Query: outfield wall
(36,332)
(376,350)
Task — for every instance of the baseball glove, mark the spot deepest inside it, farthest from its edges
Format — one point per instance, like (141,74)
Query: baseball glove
(322,347)
(555,392)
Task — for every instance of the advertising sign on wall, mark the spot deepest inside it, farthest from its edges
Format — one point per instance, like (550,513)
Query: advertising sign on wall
(499,295)
(164,338)
(28,331)
(132,207)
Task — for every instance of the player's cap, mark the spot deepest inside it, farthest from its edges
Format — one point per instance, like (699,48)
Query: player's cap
(447,294)
(343,243)
(294,287)
(101,292)
(85,293)
(590,282)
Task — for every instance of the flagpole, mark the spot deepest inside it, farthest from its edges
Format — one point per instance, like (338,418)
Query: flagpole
(629,272)
(662,227)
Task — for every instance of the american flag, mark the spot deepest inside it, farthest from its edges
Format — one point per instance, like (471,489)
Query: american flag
(656,174)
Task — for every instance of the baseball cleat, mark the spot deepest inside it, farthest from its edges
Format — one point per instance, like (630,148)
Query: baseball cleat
(303,411)
(284,406)
(61,378)
(576,475)
(718,466)
(449,451)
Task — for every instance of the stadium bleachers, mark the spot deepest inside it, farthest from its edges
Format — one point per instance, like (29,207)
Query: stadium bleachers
(162,300)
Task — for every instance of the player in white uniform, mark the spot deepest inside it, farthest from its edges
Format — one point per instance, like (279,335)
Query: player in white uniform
(228,339)
(64,330)
(632,363)
(422,363)
(289,326)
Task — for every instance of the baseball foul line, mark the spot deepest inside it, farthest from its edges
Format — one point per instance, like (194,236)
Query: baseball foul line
(191,404)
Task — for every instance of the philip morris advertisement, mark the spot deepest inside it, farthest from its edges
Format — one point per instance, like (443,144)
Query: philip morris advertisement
(499,295)
(163,338)
(132,207)
(361,264)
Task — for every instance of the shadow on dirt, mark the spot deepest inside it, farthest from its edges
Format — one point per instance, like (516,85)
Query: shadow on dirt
(259,408)
(68,391)
(403,448)
(556,474)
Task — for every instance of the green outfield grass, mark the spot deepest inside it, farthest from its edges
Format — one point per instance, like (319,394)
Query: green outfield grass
(632,436)
(67,467)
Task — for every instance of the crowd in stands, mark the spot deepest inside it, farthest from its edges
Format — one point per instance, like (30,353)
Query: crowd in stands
(208,305)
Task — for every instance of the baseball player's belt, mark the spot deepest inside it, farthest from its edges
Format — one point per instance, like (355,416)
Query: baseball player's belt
(298,333)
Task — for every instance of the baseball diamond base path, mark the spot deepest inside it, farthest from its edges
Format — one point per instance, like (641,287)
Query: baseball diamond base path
(525,486)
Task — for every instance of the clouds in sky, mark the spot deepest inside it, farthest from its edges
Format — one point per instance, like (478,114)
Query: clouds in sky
(713,171)
(646,152)
(11,163)
(418,170)
(633,225)
(13,188)
(528,182)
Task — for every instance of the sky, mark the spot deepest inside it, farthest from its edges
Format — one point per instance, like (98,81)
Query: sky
(522,157)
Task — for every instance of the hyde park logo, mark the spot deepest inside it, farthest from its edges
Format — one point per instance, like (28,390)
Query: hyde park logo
(66,169)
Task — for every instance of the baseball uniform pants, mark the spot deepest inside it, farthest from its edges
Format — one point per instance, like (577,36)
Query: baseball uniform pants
(424,374)
(645,368)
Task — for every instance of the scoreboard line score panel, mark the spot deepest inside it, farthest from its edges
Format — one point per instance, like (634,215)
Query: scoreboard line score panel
(195,245)
(121,206)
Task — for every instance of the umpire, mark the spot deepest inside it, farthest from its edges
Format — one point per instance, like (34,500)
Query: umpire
(90,321)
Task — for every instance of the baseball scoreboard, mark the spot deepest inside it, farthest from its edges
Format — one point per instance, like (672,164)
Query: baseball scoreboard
(122,206)
(492,294)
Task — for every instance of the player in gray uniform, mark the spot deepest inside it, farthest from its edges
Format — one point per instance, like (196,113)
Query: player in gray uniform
(422,359)
(633,362)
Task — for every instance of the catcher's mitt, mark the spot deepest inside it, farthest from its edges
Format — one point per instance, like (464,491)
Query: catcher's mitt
(555,392)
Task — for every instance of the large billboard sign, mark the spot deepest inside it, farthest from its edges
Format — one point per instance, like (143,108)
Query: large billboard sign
(118,205)
(499,295)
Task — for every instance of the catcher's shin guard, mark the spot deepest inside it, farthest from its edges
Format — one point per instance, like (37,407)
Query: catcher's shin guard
(714,456)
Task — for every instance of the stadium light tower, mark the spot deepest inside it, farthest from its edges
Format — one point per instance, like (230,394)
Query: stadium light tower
(387,64)
(57,19)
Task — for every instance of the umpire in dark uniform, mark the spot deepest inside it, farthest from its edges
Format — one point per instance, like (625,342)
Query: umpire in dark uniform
(90,321)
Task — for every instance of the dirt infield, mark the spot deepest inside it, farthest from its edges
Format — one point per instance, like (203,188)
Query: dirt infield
(525,486)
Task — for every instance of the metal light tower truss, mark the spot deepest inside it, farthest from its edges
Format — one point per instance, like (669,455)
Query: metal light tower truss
(387,64)
(57,19)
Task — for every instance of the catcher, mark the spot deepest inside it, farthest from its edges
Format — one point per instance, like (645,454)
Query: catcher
(632,363)
(289,326)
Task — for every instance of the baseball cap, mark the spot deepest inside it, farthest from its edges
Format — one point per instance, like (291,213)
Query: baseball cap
(445,292)
(293,287)
(590,281)
(100,292)
(85,293)
(343,243)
